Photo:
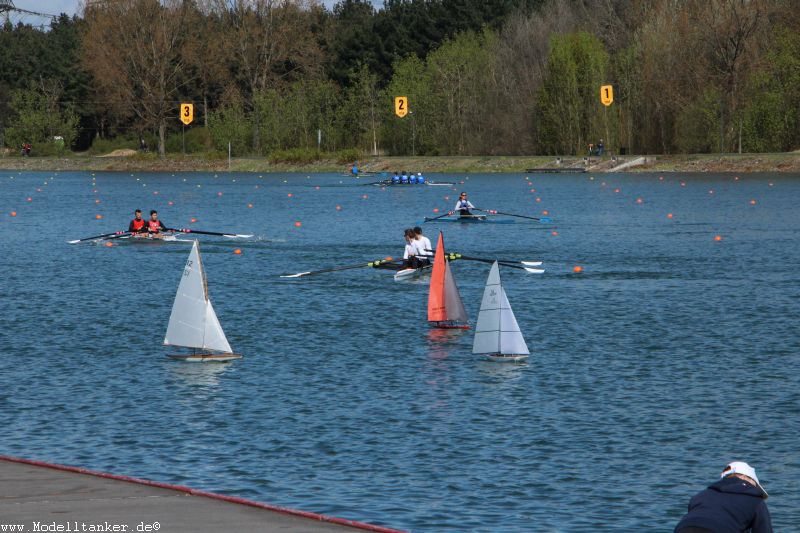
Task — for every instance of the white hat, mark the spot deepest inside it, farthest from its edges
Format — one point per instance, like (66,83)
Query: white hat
(740,467)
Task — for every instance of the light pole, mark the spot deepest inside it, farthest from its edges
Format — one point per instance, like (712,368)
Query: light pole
(413,133)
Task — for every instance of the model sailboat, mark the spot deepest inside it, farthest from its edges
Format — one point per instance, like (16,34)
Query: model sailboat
(193,323)
(445,309)
(497,335)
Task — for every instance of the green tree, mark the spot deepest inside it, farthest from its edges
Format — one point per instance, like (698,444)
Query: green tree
(39,118)
(569,99)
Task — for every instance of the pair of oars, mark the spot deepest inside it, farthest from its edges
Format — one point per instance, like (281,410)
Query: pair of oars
(118,234)
(493,212)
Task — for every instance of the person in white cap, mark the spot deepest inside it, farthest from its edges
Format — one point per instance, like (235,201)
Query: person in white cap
(734,504)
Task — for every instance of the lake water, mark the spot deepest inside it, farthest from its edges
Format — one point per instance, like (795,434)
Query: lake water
(670,355)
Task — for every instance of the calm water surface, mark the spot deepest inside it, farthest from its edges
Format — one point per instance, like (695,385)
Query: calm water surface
(671,354)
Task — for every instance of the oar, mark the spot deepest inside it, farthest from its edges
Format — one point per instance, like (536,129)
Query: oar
(440,216)
(490,261)
(229,235)
(495,212)
(503,261)
(336,269)
(76,241)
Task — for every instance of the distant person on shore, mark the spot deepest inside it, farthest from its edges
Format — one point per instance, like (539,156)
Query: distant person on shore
(591,149)
(142,144)
(354,168)
(734,504)
(155,226)
(601,148)
(137,224)
(463,205)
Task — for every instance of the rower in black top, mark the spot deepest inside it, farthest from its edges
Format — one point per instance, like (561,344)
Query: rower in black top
(155,226)
(138,223)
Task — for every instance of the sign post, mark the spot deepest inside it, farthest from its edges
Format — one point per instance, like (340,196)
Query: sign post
(607,95)
(186,116)
(401,106)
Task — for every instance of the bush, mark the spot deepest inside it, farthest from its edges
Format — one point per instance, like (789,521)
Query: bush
(296,156)
(347,156)
(198,140)
(102,146)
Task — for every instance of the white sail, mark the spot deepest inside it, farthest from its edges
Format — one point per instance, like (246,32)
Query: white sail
(193,323)
(497,331)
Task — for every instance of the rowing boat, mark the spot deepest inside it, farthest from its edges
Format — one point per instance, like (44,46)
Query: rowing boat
(412,273)
(390,183)
(146,238)
(470,219)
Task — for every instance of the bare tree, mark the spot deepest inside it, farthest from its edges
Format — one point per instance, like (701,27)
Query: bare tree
(270,42)
(134,50)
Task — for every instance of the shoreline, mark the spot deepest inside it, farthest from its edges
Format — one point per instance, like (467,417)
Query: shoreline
(744,163)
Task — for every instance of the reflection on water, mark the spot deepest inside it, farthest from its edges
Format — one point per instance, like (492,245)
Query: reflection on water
(200,376)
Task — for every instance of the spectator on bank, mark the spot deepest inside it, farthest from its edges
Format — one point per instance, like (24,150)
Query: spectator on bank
(734,504)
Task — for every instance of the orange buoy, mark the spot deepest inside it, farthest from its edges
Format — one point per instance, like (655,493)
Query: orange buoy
(317,187)
(577,269)
(170,203)
(435,209)
(249,206)
(29,199)
(639,201)
(98,217)
(237,251)
(661,178)
(669,215)
(554,233)
(388,258)
(13,213)
(753,202)
(109,244)
(219,193)
(538,199)
(616,190)
(297,224)
(289,195)
(683,184)
(545,212)
(338,208)
(365,197)
(717,238)
(736,178)
(192,220)
(97,201)
(533,190)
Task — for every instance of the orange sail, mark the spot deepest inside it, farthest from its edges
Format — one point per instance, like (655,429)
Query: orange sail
(445,309)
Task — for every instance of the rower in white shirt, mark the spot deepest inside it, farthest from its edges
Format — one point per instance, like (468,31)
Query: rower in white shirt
(424,245)
(411,252)
(463,206)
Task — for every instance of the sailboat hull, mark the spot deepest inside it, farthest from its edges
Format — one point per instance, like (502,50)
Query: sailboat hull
(501,358)
(205,357)
(447,324)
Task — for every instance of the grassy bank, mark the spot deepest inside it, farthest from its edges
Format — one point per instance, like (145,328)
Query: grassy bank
(782,162)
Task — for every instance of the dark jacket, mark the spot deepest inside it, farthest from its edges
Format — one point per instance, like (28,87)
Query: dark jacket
(731,505)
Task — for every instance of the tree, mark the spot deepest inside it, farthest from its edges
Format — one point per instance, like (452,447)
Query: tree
(38,116)
(134,48)
(568,101)
(271,44)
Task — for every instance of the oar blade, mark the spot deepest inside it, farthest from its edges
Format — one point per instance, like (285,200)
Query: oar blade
(298,275)
(531,263)
(534,270)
